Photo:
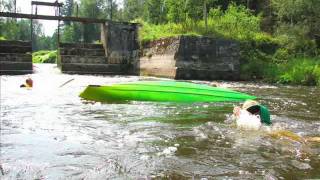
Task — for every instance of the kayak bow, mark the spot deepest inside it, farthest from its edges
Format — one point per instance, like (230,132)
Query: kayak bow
(162,91)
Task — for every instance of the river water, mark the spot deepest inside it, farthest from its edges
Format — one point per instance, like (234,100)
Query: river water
(48,132)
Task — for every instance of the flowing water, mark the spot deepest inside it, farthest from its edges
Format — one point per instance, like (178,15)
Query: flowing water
(48,132)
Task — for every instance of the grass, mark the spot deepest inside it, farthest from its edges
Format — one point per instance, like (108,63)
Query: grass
(236,23)
(303,71)
(44,56)
(297,71)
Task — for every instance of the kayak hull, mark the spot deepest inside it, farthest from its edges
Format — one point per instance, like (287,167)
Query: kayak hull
(161,91)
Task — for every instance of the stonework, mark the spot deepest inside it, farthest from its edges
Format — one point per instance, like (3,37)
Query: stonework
(117,55)
(191,57)
(183,57)
(121,44)
(85,59)
(15,57)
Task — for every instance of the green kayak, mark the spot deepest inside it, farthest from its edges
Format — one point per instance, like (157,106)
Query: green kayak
(161,91)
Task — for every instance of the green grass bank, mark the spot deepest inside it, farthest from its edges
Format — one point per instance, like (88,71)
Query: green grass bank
(287,56)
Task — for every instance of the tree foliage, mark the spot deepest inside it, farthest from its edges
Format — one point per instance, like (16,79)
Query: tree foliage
(133,9)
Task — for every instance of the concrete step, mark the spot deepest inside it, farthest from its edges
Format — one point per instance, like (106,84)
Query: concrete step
(15,67)
(82,52)
(84,59)
(81,46)
(15,72)
(78,68)
(15,49)
(15,57)
(14,43)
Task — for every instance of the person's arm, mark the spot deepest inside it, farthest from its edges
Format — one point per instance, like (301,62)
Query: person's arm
(236,111)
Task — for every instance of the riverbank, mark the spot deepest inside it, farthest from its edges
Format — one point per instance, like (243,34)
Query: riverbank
(287,58)
(297,71)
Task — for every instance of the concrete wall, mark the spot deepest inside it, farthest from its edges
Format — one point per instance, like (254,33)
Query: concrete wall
(191,57)
(117,55)
(86,59)
(121,44)
(15,57)
(158,58)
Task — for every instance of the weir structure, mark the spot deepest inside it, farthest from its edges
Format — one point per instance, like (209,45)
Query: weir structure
(182,57)
(118,53)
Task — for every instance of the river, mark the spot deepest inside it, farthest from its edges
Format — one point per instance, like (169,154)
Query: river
(48,132)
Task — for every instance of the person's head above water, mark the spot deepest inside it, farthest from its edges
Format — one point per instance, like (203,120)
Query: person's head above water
(29,83)
(257,109)
(249,112)
(249,103)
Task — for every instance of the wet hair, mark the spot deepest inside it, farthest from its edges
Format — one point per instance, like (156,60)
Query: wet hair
(262,111)
(249,103)
(29,82)
(254,109)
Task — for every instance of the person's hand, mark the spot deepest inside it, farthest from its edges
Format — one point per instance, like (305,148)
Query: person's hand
(236,111)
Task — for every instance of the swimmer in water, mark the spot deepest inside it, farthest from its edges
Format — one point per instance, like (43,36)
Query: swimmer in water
(252,116)
(28,84)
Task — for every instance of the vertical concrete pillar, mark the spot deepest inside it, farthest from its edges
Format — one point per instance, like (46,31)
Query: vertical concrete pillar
(121,44)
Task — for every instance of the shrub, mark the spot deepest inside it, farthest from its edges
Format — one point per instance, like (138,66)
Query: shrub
(295,39)
(44,57)
(316,73)
(236,22)
(303,71)
(282,55)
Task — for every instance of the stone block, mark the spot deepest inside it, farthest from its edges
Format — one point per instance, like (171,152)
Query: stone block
(15,49)
(195,57)
(15,57)
(14,43)
(80,46)
(15,67)
(79,68)
(227,48)
(15,72)
(82,52)
(158,65)
(83,59)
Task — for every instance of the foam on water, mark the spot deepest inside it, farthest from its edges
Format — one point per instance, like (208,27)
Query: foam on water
(248,121)
(49,132)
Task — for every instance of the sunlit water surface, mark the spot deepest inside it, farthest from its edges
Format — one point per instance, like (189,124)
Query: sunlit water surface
(48,132)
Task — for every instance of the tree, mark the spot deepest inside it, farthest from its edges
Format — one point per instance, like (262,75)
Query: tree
(133,9)
(180,10)
(155,11)
(91,9)
(6,5)
(300,20)
(176,10)
(67,10)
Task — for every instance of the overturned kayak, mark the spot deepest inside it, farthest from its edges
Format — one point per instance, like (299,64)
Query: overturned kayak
(161,91)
